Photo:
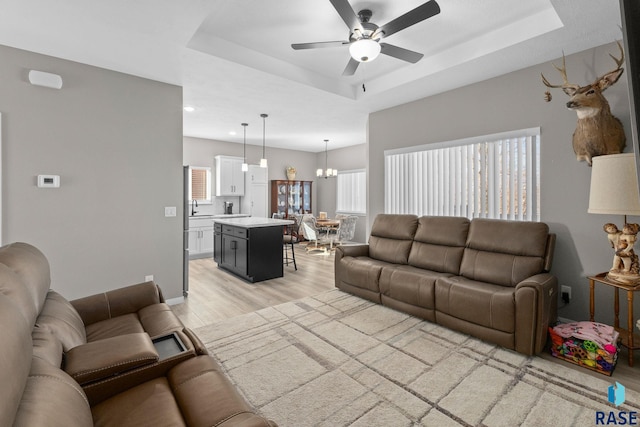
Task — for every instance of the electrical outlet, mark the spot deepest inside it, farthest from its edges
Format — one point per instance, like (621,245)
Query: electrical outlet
(148,278)
(566,293)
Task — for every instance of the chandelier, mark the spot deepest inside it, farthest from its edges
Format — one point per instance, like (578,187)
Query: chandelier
(327,172)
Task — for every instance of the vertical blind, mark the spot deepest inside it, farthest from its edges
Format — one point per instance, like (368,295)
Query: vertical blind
(352,191)
(199,183)
(487,177)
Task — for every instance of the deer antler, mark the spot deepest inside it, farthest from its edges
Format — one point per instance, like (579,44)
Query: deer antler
(563,73)
(620,61)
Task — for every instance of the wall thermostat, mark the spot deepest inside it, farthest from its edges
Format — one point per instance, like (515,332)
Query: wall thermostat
(49,181)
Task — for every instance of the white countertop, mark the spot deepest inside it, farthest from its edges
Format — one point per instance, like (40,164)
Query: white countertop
(216,216)
(253,222)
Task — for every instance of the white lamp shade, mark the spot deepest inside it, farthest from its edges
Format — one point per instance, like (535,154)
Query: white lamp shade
(263,163)
(319,172)
(245,167)
(364,50)
(614,185)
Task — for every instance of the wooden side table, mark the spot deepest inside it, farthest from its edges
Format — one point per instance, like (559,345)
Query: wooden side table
(627,337)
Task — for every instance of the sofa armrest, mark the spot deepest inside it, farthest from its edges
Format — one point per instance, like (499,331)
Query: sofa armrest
(536,308)
(102,359)
(352,250)
(198,345)
(117,302)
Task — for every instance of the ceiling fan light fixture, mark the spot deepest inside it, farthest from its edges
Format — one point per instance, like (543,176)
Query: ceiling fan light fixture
(364,50)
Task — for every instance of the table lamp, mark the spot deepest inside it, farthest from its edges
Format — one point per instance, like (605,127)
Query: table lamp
(614,191)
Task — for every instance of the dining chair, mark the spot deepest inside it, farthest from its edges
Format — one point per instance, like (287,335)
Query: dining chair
(311,233)
(346,230)
(301,234)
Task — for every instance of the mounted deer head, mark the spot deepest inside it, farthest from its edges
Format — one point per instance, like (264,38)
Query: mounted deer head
(597,132)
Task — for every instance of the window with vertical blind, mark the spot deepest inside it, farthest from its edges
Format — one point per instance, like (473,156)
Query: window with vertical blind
(352,191)
(495,176)
(200,183)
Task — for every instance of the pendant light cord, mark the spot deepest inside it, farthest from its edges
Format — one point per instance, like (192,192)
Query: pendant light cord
(244,151)
(264,126)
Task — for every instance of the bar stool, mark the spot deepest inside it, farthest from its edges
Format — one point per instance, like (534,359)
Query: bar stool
(290,237)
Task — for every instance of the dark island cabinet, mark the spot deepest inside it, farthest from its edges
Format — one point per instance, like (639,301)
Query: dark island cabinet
(254,254)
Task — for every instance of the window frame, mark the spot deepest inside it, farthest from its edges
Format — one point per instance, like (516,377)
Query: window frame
(208,191)
(353,209)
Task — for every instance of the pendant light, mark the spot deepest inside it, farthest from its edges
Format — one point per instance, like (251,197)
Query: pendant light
(263,160)
(328,172)
(245,166)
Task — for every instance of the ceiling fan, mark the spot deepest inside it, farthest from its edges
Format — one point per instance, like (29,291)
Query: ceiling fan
(364,37)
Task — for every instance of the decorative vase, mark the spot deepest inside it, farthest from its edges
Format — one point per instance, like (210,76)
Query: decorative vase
(291,176)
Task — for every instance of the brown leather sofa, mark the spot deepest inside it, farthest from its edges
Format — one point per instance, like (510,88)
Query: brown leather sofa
(486,278)
(121,358)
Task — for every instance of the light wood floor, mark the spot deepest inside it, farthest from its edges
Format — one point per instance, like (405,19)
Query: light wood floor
(215,295)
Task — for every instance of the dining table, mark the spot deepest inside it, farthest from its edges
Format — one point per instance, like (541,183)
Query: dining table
(327,223)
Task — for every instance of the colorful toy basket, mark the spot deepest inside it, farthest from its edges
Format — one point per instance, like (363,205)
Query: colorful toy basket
(589,344)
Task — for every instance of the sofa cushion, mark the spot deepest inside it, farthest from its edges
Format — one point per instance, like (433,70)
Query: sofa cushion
(391,237)
(63,320)
(362,272)
(15,359)
(134,407)
(121,325)
(207,398)
(51,398)
(410,285)
(47,346)
(25,277)
(485,304)
(439,243)
(504,252)
(155,320)
(195,392)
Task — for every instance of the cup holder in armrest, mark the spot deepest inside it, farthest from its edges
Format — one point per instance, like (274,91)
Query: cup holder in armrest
(168,345)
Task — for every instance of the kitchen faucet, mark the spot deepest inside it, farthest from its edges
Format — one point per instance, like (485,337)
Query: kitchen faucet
(193,211)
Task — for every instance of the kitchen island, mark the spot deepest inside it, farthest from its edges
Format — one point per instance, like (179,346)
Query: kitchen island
(249,247)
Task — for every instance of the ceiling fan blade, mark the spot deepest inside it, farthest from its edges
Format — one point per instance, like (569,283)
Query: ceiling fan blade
(351,67)
(420,13)
(400,53)
(347,14)
(316,45)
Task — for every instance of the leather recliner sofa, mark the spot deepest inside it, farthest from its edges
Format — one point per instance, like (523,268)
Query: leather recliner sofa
(96,361)
(486,278)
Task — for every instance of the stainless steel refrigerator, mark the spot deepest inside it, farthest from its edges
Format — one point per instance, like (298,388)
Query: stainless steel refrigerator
(185,230)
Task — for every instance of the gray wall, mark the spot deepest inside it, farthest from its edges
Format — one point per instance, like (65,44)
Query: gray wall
(515,101)
(201,152)
(116,142)
(348,158)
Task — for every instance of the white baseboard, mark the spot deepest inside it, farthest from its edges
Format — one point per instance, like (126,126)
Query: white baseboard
(174,301)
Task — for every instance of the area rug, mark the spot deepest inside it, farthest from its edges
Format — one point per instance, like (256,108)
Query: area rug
(338,360)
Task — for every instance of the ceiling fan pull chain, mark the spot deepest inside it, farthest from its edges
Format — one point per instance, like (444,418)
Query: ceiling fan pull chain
(364,77)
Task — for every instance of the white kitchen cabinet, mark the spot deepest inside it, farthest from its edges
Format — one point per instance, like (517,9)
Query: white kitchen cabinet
(229,176)
(256,192)
(200,238)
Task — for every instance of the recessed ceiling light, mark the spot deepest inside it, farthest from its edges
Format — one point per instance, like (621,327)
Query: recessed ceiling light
(189,109)
(232,133)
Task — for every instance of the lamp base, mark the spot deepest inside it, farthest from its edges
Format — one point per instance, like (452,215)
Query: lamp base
(623,277)
(625,268)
